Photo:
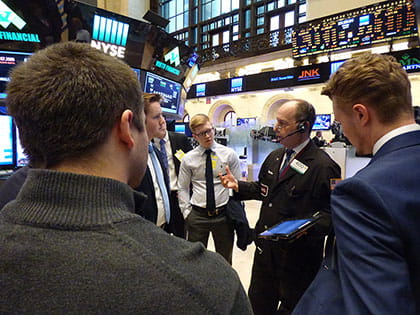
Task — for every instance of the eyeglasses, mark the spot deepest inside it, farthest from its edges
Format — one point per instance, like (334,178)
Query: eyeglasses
(279,126)
(207,132)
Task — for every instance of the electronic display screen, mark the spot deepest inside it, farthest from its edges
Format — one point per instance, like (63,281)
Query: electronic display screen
(21,158)
(389,20)
(180,128)
(137,72)
(9,59)
(184,128)
(246,121)
(335,65)
(236,84)
(6,141)
(168,89)
(322,122)
(200,90)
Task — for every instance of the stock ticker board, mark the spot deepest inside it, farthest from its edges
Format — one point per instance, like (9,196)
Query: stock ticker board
(381,22)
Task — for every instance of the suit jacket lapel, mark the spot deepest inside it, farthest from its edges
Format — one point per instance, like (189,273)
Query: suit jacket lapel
(304,156)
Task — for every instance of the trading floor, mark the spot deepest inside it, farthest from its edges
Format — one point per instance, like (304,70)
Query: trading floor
(242,260)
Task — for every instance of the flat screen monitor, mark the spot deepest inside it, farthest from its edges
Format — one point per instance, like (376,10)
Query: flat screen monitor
(168,89)
(184,128)
(137,72)
(322,122)
(335,65)
(246,121)
(6,142)
(9,59)
(21,158)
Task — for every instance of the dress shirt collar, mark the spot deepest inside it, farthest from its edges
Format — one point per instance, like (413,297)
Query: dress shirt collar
(212,147)
(392,134)
(300,147)
(156,141)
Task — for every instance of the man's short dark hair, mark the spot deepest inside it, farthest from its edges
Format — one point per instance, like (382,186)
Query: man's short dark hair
(66,98)
(150,98)
(305,112)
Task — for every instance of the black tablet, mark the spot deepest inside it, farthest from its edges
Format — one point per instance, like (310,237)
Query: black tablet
(289,229)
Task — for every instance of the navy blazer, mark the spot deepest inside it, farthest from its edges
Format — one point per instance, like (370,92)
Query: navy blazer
(376,218)
(149,210)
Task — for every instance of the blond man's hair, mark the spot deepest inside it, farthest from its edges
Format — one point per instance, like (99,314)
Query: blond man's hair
(198,120)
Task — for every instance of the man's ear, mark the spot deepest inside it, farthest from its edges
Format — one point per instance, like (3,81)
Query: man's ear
(361,114)
(125,128)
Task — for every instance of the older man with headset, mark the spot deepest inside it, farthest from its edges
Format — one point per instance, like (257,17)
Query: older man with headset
(293,183)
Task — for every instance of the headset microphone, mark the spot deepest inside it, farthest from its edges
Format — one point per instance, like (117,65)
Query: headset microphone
(300,129)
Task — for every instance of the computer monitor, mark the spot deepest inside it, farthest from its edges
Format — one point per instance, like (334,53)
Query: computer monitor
(21,157)
(168,89)
(6,142)
(184,128)
(322,122)
(8,60)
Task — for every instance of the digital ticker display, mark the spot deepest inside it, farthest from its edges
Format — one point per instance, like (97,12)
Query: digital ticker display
(389,20)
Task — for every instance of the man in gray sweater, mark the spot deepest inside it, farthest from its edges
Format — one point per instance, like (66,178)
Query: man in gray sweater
(70,242)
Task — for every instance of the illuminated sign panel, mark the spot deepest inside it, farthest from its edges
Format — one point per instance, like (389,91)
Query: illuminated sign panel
(173,57)
(310,74)
(200,90)
(166,67)
(7,17)
(110,36)
(236,85)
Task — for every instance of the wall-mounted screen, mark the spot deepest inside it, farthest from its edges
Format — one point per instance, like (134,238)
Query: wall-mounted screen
(380,22)
(9,59)
(6,142)
(168,89)
(322,122)
(200,90)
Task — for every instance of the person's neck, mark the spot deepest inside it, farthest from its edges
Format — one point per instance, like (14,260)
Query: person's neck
(379,130)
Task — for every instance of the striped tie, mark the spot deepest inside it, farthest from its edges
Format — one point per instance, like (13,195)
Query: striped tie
(63,15)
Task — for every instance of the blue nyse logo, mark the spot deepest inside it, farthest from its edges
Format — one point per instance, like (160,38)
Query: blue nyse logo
(110,36)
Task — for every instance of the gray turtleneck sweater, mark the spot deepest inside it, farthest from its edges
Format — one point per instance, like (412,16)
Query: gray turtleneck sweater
(71,244)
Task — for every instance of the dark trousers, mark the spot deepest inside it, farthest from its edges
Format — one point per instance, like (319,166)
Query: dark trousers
(281,273)
(199,225)
(177,225)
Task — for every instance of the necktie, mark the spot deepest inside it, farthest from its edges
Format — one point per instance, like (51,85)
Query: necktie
(164,155)
(161,182)
(289,153)
(211,203)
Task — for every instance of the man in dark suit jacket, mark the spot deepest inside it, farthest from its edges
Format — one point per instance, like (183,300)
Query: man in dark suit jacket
(174,146)
(157,207)
(292,185)
(375,213)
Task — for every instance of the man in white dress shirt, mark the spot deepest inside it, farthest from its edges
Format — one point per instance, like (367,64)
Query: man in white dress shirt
(205,209)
